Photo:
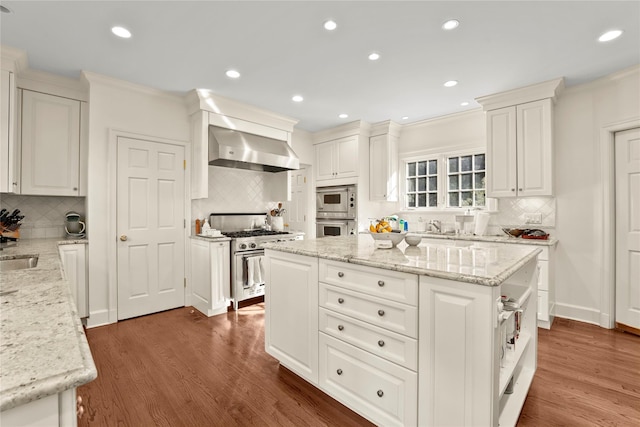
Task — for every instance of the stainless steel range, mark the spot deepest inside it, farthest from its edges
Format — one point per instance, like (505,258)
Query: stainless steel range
(248,232)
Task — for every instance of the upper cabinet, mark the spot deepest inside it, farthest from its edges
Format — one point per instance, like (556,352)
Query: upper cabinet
(336,159)
(50,145)
(520,140)
(383,162)
(8,178)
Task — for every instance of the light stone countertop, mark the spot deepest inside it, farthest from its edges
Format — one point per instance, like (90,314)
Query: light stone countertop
(43,348)
(481,263)
(552,241)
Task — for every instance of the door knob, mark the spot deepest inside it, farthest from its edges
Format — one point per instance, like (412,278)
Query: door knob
(123,237)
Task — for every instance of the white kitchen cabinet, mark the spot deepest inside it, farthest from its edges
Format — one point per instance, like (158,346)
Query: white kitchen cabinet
(383,168)
(56,410)
(210,276)
(74,264)
(50,145)
(291,315)
(336,160)
(8,152)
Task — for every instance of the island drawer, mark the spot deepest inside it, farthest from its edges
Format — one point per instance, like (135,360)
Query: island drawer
(381,342)
(393,285)
(391,315)
(382,391)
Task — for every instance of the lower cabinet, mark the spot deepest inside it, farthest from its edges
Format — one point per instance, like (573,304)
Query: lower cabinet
(370,385)
(74,263)
(210,276)
(57,410)
(291,315)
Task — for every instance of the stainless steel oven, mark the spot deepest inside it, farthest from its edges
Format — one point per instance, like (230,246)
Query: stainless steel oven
(336,202)
(335,227)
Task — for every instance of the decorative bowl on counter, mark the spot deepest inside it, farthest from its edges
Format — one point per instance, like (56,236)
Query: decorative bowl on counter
(513,232)
(413,239)
(387,240)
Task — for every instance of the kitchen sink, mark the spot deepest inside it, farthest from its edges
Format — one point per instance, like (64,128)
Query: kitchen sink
(20,263)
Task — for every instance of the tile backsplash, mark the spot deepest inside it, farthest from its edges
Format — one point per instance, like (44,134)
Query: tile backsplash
(44,216)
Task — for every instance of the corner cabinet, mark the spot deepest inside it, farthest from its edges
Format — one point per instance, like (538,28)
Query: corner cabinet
(74,263)
(210,276)
(57,410)
(336,160)
(291,312)
(8,152)
(520,150)
(50,135)
(383,168)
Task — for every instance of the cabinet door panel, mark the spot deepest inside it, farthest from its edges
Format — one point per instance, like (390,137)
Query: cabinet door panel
(501,152)
(324,161)
(8,181)
(50,144)
(347,157)
(534,135)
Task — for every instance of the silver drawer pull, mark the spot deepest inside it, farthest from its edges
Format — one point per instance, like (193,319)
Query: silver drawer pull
(340,300)
(380,393)
(340,274)
(339,371)
(381,343)
(340,327)
(381,283)
(380,313)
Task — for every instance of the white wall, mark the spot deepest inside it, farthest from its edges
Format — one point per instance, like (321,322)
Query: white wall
(115,105)
(581,113)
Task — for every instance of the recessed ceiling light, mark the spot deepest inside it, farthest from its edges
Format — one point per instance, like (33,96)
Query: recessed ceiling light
(330,25)
(343,116)
(121,32)
(450,83)
(450,24)
(297,98)
(610,35)
(464,104)
(374,56)
(5,9)
(233,74)
(405,118)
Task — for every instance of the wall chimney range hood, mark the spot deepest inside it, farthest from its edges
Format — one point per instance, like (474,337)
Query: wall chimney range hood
(241,150)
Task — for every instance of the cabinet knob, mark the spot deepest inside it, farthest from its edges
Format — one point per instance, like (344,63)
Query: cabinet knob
(519,189)
(340,274)
(339,372)
(75,188)
(381,343)
(380,393)
(380,313)
(15,183)
(123,237)
(513,189)
(381,283)
(340,300)
(340,327)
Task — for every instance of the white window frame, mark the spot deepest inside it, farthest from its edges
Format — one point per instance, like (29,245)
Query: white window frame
(441,157)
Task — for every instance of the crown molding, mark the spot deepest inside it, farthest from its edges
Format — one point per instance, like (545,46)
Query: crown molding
(387,127)
(100,79)
(14,60)
(535,92)
(628,72)
(357,127)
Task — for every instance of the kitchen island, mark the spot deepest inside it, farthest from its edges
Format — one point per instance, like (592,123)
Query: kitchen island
(44,354)
(409,335)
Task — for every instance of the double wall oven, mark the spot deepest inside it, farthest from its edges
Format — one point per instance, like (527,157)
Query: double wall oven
(248,233)
(336,211)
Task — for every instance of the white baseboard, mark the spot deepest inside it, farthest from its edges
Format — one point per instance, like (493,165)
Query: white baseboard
(98,318)
(574,312)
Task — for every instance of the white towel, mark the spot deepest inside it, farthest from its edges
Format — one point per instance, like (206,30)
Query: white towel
(250,271)
(258,271)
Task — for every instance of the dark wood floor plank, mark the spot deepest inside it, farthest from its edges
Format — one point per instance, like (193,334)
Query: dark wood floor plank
(180,368)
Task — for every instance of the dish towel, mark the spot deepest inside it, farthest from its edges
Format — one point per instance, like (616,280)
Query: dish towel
(255,271)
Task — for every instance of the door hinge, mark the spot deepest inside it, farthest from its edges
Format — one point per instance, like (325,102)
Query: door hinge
(184,223)
(185,282)
(184,164)
(305,179)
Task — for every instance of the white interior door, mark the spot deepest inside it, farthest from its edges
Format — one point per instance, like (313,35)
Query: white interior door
(150,224)
(299,206)
(627,149)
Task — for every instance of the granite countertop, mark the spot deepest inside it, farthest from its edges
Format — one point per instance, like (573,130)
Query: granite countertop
(209,238)
(481,263)
(552,241)
(44,349)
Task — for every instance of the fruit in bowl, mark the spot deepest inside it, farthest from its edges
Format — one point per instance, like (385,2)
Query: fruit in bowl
(381,226)
(388,239)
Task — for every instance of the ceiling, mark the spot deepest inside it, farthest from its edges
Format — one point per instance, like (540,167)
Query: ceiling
(281,49)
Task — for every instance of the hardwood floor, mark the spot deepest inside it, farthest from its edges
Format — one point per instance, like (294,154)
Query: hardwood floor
(180,368)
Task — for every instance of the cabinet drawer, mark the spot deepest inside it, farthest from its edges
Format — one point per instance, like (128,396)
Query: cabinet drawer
(543,305)
(383,392)
(393,285)
(387,314)
(381,342)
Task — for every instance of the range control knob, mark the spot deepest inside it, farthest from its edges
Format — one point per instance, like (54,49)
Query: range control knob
(253,246)
(243,246)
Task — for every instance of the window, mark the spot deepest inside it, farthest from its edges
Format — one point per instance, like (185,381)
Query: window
(453,180)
